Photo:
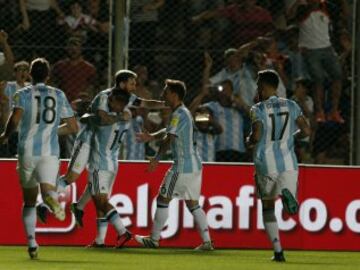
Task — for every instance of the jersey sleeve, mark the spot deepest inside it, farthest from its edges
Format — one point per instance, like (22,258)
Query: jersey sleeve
(176,125)
(101,103)
(66,110)
(255,115)
(19,100)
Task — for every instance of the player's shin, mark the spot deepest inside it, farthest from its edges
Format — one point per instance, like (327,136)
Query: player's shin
(102,225)
(113,217)
(29,219)
(84,199)
(201,222)
(161,215)
(272,228)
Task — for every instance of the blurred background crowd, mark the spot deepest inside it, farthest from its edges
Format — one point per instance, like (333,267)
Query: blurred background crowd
(215,46)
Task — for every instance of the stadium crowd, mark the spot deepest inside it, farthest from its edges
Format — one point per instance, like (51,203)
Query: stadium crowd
(217,47)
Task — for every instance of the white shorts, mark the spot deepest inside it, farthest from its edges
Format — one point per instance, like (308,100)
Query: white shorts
(79,157)
(270,186)
(35,170)
(185,186)
(101,182)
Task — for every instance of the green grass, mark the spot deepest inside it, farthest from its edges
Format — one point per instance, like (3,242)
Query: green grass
(77,258)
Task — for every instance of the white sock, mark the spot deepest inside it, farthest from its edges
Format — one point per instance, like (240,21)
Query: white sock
(102,225)
(161,215)
(200,220)
(272,228)
(113,217)
(29,219)
(84,199)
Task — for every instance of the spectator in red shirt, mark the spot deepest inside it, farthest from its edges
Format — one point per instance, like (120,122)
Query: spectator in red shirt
(250,20)
(74,75)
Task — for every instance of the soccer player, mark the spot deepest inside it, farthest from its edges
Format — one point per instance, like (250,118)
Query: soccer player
(39,108)
(125,80)
(183,179)
(103,166)
(22,77)
(275,124)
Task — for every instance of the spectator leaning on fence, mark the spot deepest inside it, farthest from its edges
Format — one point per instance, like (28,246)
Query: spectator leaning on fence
(319,55)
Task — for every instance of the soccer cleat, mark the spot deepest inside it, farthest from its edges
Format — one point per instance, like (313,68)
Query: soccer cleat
(96,245)
(146,241)
(278,257)
(33,252)
(122,239)
(55,207)
(78,214)
(41,213)
(206,246)
(290,204)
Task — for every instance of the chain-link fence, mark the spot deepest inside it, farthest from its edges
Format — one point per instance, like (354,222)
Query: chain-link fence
(216,47)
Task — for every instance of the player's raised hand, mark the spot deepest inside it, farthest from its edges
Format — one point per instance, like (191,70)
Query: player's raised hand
(152,165)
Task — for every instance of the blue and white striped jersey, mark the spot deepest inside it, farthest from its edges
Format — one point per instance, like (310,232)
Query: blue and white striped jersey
(134,150)
(232,122)
(105,144)
(186,157)
(274,153)
(10,89)
(43,108)
(205,143)
(100,102)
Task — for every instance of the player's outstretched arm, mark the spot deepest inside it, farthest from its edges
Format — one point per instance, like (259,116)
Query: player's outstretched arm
(162,150)
(69,127)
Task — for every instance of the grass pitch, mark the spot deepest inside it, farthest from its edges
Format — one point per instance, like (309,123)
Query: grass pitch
(78,258)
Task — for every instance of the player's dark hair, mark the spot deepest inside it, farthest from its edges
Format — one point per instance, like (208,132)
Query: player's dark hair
(39,70)
(177,87)
(117,95)
(123,75)
(269,77)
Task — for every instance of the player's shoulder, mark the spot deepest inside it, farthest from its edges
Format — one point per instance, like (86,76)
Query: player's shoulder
(25,90)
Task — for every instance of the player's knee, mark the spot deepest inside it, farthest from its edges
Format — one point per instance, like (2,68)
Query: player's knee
(192,205)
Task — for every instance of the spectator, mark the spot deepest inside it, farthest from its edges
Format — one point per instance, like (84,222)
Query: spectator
(77,23)
(6,57)
(207,133)
(21,80)
(232,71)
(74,75)
(134,150)
(39,23)
(144,22)
(230,145)
(142,81)
(208,34)
(306,104)
(97,43)
(319,54)
(249,20)
(296,67)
